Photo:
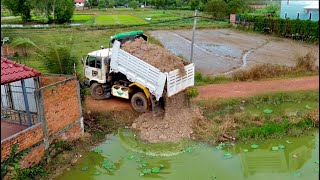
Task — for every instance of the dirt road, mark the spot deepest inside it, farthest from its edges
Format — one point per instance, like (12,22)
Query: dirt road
(242,89)
(234,89)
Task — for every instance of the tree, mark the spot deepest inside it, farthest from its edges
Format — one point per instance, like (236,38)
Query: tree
(88,4)
(111,3)
(23,44)
(63,10)
(19,8)
(133,4)
(58,59)
(237,6)
(102,4)
(217,8)
(273,9)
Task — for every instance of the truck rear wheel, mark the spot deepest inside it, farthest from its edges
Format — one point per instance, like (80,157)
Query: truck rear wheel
(97,91)
(139,102)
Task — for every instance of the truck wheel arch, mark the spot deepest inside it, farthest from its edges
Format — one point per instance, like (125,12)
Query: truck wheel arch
(141,88)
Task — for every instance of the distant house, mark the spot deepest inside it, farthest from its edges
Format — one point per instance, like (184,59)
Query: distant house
(79,3)
(305,10)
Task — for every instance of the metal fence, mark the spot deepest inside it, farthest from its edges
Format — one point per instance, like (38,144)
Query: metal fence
(18,102)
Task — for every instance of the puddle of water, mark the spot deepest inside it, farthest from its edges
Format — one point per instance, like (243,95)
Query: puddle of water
(221,49)
(294,158)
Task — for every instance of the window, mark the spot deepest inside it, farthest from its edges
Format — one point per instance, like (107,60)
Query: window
(94,62)
(285,15)
(298,15)
(310,16)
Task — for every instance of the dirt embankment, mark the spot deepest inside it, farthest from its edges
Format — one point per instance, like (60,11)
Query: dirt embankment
(155,55)
(173,125)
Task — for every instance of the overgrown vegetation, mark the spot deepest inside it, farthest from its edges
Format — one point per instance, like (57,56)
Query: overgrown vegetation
(259,117)
(305,30)
(201,79)
(11,166)
(306,65)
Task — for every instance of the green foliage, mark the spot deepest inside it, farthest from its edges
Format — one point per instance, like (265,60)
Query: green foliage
(13,160)
(64,11)
(203,80)
(192,92)
(102,4)
(217,8)
(237,6)
(23,44)
(273,9)
(58,59)
(133,4)
(305,30)
(19,7)
(31,173)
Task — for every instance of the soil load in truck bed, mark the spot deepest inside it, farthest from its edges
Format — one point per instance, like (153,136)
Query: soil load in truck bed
(155,55)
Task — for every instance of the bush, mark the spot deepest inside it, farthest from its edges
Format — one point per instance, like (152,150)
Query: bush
(64,11)
(58,59)
(305,30)
(192,92)
(261,71)
(306,63)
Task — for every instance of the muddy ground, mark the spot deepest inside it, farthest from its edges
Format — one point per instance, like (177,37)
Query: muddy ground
(224,50)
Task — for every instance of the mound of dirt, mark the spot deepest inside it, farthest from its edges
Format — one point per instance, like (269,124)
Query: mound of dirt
(173,125)
(155,55)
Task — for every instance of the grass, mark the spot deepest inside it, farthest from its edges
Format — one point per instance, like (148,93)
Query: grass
(305,65)
(293,113)
(118,20)
(82,17)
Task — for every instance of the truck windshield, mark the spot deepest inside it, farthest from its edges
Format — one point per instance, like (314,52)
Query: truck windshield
(94,62)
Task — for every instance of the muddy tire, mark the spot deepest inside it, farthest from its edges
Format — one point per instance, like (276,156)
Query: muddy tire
(139,102)
(96,91)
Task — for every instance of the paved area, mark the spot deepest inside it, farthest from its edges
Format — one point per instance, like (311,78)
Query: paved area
(225,50)
(9,129)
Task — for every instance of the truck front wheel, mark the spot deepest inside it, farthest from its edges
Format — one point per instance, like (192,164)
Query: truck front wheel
(139,102)
(97,91)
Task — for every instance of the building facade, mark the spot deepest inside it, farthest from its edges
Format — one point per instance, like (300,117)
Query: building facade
(304,10)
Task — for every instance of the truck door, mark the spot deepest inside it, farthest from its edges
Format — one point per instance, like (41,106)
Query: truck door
(92,68)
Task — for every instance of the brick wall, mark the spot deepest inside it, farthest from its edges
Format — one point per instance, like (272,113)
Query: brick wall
(47,80)
(61,120)
(61,106)
(25,138)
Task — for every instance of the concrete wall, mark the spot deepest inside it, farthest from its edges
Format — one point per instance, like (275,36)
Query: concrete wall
(60,115)
(294,7)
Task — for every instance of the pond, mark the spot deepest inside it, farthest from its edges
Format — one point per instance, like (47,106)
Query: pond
(281,159)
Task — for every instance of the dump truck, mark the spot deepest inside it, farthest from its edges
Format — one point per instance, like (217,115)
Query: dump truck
(113,72)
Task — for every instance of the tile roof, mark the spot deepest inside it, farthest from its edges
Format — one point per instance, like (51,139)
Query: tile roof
(79,1)
(11,71)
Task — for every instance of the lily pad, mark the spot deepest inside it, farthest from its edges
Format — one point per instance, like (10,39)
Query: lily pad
(222,144)
(161,166)
(219,147)
(146,171)
(98,150)
(141,174)
(254,146)
(308,107)
(245,150)
(297,174)
(275,148)
(281,146)
(267,111)
(130,157)
(316,161)
(289,142)
(189,149)
(97,173)
(155,170)
(144,164)
(227,155)
(84,168)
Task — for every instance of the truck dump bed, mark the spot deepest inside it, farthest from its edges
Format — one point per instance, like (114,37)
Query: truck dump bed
(149,76)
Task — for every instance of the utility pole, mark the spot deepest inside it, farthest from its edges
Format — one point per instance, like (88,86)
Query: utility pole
(193,31)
